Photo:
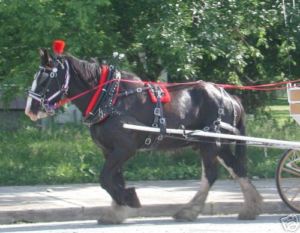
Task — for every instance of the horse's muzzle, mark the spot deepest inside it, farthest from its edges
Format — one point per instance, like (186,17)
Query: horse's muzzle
(35,117)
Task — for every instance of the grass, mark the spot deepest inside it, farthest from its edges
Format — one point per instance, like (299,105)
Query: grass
(35,156)
(66,154)
(275,123)
(279,110)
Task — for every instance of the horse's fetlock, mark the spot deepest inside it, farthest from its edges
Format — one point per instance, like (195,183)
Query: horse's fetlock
(131,198)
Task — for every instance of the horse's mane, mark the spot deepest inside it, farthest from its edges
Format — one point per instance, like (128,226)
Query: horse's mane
(89,71)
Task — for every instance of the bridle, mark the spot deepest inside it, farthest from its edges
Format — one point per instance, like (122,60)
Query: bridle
(45,101)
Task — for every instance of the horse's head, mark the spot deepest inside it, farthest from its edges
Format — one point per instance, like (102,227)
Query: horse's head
(49,86)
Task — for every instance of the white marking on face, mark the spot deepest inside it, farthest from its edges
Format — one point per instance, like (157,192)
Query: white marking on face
(29,100)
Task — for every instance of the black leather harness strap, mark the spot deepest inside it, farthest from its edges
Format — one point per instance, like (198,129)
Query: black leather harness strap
(104,105)
(159,120)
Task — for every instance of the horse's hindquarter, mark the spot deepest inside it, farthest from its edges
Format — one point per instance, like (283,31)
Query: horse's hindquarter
(184,108)
(198,106)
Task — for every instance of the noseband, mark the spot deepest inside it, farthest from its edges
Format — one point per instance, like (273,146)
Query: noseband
(41,98)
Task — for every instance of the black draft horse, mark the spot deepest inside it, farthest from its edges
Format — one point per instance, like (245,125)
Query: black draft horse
(193,106)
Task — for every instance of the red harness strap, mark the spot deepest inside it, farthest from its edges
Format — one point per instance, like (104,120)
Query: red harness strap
(166,98)
(102,80)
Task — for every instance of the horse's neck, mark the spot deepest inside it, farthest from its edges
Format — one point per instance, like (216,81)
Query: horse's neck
(86,72)
(83,77)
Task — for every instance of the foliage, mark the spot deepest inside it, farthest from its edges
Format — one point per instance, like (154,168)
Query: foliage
(232,41)
(32,24)
(238,42)
(32,155)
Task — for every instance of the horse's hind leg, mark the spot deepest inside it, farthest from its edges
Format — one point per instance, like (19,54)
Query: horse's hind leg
(236,165)
(191,210)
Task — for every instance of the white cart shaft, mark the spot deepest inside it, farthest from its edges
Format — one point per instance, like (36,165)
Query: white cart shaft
(252,141)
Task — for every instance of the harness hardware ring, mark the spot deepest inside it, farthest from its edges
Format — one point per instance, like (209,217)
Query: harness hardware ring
(148,141)
(52,74)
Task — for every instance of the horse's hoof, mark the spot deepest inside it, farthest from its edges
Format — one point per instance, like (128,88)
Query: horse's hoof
(112,217)
(185,215)
(108,222)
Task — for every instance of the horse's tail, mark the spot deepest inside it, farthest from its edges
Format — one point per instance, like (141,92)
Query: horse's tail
(240,148)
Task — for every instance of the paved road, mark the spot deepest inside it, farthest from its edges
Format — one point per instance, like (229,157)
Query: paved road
(215,224)
(159,198)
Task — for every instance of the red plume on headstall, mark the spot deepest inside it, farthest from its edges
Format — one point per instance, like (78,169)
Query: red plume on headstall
(58,46)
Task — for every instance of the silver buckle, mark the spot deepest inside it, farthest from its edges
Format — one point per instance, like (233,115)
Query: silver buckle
(160,137)
(148,141)
(206,129)
(221,111)
(157,111)
(162,121)
(155,125)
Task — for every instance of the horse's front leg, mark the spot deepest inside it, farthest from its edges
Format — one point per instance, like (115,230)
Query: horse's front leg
(112,180)
(128,195)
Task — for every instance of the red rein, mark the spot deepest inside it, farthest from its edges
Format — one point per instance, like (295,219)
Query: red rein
(261,87)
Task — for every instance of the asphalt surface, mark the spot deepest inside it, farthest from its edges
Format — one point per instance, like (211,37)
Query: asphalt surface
(159,198)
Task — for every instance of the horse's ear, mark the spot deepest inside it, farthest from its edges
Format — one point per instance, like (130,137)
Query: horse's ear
(45,57)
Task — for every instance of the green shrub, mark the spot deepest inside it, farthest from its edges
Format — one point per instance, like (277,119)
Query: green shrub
(33,156)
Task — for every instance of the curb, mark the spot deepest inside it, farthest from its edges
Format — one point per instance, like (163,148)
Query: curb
(159,210)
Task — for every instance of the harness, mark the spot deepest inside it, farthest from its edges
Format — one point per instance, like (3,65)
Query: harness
(158,95)
(101,104)
(159,119)
(218,124)
(41,98)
